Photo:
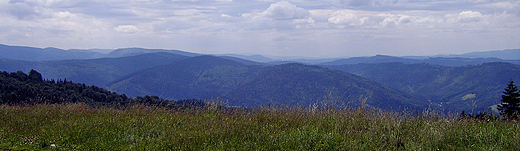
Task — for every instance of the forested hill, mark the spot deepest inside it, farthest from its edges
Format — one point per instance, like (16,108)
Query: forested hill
(204,77)
(18,88)
(471,87)
(304,85)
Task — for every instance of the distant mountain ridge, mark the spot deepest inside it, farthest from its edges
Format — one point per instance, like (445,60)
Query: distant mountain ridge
(48,54)
(125,52)
(51,54)
(454,61)
(508,54)
(91,71)
(39,54)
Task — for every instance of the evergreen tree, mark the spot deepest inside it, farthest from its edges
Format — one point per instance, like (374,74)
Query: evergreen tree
(34,75)
(510,106)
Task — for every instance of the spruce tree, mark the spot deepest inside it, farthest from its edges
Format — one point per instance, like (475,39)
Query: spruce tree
(510,106)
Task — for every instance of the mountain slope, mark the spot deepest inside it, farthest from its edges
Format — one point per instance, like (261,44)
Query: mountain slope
(92,71)
(18,88)
(204,77)
(297,84)
(472,87)
(198,77)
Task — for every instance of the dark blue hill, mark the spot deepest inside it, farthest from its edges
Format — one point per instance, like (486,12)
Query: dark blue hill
(92,71)
(471,87)
(205,77)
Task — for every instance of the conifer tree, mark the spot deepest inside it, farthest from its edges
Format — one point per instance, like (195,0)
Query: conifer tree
(510,106)
(35,75)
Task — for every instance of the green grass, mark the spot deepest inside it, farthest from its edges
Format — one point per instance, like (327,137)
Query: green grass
(80,127)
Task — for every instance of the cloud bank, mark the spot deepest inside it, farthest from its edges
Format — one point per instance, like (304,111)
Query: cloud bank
(307,27)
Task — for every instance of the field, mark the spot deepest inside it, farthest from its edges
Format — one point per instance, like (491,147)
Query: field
(81,127)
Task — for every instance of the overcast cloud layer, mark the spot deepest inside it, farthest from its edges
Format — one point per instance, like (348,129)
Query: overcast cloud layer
(284,28)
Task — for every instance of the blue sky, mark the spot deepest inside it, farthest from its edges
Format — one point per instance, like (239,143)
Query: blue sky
(312,28)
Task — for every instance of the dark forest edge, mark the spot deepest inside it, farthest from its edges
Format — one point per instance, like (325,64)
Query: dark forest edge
(19,88)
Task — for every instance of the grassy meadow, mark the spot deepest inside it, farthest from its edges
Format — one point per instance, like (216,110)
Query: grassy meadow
(81,127)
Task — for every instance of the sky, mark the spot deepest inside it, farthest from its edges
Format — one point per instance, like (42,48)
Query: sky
(308,28)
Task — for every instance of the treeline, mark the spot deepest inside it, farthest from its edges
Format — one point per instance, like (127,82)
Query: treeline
(19,88)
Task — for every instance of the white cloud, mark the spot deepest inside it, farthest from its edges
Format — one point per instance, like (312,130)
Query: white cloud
(470,16)
(405,19)
(66,15)
(342,20)
(424,20)
(303,23)
(126,29)
(73,23)
(226,16)
(281,16)
(358,19)
(389,21)
(285,11)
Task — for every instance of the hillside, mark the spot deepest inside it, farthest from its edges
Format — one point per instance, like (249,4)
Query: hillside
(198,77)
(91,71)
(297,84)
(18,88)
(472,87)
(205,77)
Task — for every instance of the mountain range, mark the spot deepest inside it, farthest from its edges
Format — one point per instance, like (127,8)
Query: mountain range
(444,61)
(388,82)
(508,54)
(91,71)
(52,54)
(204,77)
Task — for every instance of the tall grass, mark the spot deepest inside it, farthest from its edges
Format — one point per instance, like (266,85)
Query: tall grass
(81,127)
